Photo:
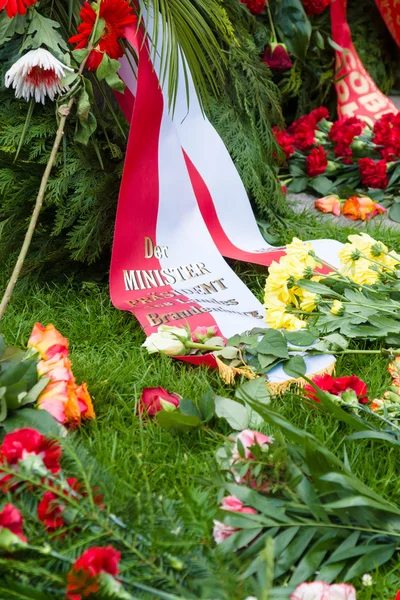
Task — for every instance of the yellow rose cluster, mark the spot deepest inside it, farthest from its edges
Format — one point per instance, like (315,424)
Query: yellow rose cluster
(367,261)
(284,301)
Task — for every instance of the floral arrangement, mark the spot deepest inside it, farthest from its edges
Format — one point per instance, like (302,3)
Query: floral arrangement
(353,166)
(277,482)
(359,300)
(66,401)
(56,526)
(42,377)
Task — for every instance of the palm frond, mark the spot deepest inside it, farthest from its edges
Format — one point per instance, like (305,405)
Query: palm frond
(193,29)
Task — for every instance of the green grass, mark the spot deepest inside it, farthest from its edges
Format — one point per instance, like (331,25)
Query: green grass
(106,352)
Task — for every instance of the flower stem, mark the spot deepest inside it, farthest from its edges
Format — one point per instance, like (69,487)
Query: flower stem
(271,23)
(198,346)
(63,111)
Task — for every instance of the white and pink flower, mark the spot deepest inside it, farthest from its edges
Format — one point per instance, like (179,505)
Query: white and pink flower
(37,74)
(319,590)
(221,531)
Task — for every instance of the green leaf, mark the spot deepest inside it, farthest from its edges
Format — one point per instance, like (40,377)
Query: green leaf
(317,288)
(274,343)
(86,129)
(176,421)
(297,185)
(80,55)
(371,561)
(293,26)
(25,370)
(188,408)
(394,213)
(10,27)
(36,419)
(35,392)
(83,105)
(322,185)
(12,590)
(236,414)
(267,360)
(43,31)
(3,409)
(255,389)
(107,70)
(300,338)
(207,406)
(295,366)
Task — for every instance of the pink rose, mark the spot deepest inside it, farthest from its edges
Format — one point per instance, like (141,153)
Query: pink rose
(319,590)
(152,399)
(248,439)
(200,334)
(221,531)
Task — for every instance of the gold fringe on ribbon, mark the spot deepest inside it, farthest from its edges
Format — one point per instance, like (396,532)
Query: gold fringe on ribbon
(228,374)
(278,388)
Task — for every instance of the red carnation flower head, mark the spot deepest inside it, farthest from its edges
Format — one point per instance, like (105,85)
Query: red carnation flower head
(316,162)
(117,15)
(338,386)
(153,400)
(373,174)
(277,57)
(31,448)
(256,7)
(51,507)
(387,135)
(15,7)
(315,7)
(318,114)
(84,576)
(303,130)
(342,133)
(11,527)
(284,140)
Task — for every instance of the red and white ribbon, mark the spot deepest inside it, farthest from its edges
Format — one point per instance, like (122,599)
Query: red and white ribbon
(167,266)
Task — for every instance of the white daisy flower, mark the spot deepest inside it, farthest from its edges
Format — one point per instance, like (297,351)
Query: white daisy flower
(37,74)
(367,580)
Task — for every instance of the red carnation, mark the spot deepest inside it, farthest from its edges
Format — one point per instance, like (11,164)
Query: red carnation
(117,14)
(16,7)
(277,57)
(303,130)
(256,7)
(342,133)
(83,578)
(11,519)
(150,400)
(318,114)
(337,386)
(51,507)
(316,162)
(387,135)
(284,140)
(21,443)
(315,7)
(304,135)
(373,174)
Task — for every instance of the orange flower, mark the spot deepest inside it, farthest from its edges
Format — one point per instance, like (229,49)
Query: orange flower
(361,208)
(48,341)
(58,368)
(85,402)
(329,204)
(59,399)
